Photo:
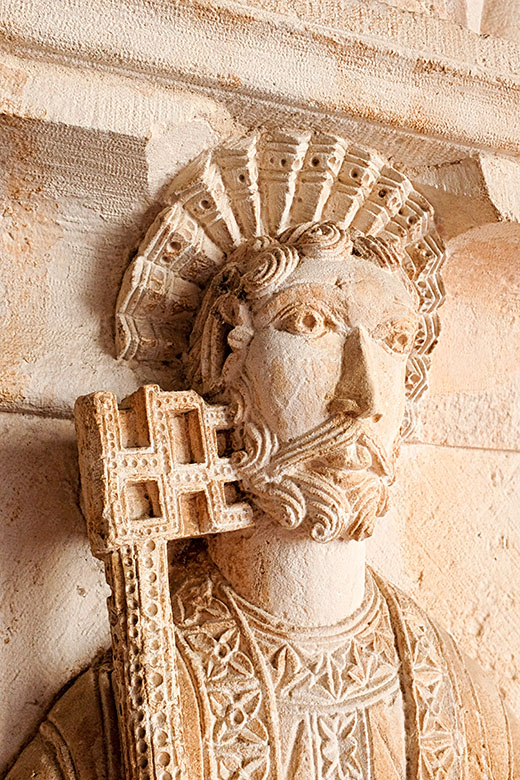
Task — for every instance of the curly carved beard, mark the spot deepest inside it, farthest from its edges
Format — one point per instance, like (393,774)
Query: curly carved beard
(333,479)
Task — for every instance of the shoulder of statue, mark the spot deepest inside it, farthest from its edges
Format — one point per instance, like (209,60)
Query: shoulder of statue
(450,693)
(78,739)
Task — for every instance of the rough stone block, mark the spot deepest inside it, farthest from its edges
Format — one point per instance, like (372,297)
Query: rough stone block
(53,593)
(453,542)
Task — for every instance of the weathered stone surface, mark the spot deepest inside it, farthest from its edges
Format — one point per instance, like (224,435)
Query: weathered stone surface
(474,397)
(75,203)
(500,18)
(53,596)
(453,542)
(347,63)
(298,276)
(471,192)
(85,177)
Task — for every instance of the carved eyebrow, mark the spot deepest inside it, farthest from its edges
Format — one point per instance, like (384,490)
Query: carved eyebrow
(322,297)
(401,321)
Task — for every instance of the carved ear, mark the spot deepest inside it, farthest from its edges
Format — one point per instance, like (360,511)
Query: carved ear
(239,337)
(226,330)
(228,306)
(214,350)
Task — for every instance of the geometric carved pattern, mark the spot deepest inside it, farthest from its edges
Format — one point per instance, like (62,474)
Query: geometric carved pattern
(439,752)
(238,722)
(317,687)
(319,693)
(156,467)
(341,756)
(453,730)
(143,651)
(345,668)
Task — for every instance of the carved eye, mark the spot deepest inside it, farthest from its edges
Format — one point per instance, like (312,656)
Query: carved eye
(397,335)
(305,321)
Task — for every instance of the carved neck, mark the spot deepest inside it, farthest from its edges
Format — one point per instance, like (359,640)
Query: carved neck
(290,575)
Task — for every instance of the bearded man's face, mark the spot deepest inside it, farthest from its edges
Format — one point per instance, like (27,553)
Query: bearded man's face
(320,383)
(334,340)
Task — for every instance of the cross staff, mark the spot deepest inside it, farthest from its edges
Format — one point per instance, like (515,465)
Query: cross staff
(153,469)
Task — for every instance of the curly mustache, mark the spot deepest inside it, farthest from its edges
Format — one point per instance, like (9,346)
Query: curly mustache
(333,478)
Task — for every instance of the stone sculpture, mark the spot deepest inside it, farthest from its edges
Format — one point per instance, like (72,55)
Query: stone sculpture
(298,277)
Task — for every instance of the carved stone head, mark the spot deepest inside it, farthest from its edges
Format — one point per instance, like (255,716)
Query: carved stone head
(316,333)
(309,336)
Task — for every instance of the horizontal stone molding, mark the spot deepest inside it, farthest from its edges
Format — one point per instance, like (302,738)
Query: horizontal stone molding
(414,72)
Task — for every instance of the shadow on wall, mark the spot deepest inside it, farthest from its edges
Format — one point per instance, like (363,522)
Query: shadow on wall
(71,221)
(53,592)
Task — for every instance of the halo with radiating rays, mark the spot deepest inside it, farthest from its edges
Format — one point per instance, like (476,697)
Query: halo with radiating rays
(259,185)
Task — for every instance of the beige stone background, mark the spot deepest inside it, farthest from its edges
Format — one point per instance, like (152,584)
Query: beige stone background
(87,152)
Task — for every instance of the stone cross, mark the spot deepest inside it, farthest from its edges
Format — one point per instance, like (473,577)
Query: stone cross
(154,468)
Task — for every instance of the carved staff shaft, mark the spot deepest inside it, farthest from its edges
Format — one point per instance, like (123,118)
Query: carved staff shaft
(153,469)
(143,648)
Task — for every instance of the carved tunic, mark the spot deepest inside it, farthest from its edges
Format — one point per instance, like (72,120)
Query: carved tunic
(297,703)
(384,694)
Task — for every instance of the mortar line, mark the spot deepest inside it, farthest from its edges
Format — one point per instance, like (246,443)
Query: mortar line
(461,446)
(51,414)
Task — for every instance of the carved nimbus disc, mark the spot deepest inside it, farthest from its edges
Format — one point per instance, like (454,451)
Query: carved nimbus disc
(261,184)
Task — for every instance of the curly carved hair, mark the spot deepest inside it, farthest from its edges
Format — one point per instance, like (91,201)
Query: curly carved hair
(257,269)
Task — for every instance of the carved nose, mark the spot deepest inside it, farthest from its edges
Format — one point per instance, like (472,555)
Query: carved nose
(357,391)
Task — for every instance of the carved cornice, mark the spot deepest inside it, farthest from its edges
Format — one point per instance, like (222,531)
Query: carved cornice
(410,71)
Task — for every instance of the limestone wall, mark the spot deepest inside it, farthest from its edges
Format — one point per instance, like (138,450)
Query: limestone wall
(456,541)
